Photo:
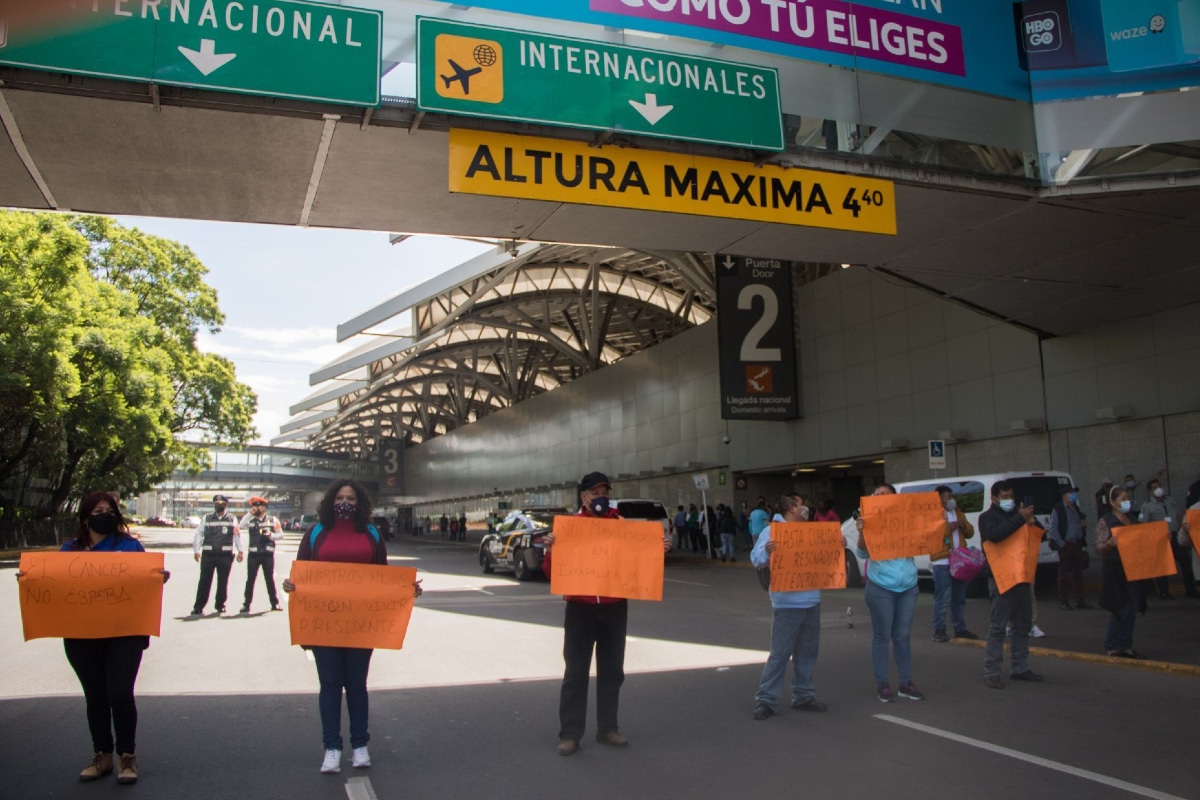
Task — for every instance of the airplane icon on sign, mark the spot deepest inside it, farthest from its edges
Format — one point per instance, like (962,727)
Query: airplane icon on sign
(461,75)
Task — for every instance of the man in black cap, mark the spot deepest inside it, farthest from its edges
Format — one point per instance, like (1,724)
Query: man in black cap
(213,544)
(592,623)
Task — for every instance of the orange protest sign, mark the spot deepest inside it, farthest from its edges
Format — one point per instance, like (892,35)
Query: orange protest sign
(1014,561)
(350,605)
(85,595)
(903,525)
(808,555)
(607,557)
(1193,523)
(1145,550)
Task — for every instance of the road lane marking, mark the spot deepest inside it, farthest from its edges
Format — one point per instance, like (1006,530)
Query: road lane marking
(688,583)
(360,789)
(1116,783)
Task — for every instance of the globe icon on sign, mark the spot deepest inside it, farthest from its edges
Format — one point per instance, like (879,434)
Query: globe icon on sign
(485,55)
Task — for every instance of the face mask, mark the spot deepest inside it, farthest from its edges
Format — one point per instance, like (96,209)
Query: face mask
(1007,505)
(344,510)
(1159,492)
(103,524)
(1074,498)
(1125,506)
(598,506)
(951,504)
(220,509)
(1130,484)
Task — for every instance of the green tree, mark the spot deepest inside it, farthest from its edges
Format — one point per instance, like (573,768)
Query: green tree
(41,267)
(118,380)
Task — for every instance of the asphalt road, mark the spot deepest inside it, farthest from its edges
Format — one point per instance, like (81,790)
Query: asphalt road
(468,708)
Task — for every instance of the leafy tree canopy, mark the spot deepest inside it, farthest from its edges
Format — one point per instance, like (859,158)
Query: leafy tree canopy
(99,370)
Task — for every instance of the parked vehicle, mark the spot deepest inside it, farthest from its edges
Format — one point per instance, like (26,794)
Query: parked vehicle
(304,522)
(159,522)
(516,544)
(636,508)
(384,526)
(972,494)
(191,522)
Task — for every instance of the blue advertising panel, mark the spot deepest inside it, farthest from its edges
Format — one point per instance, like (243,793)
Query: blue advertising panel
(1085,48)
(1047,49)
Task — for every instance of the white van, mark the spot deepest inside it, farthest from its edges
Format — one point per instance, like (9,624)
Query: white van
(973,495)
(635,508)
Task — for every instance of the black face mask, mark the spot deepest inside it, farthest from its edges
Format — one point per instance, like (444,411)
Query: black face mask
(103,524)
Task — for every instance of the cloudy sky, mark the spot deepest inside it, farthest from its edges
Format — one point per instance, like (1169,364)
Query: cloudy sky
(285,289)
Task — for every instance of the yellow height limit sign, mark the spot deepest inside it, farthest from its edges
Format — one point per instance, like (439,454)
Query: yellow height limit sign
(532,168)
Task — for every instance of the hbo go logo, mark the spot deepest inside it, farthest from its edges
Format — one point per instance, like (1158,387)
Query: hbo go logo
(1041,33)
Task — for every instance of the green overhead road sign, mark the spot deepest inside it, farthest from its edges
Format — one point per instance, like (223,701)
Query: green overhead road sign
(481,71)
(278,48)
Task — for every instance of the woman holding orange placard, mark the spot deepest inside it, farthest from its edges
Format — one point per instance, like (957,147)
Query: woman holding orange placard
(891,595)
(107,668)
(343,533)
(1120,597)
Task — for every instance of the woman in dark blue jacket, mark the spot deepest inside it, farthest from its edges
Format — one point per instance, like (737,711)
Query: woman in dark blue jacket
(107,668)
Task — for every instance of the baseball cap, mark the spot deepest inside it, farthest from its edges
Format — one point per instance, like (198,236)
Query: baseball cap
(257,499)
(592,480)
(220,498)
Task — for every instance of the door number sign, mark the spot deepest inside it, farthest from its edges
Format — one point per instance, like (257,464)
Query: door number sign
(757,338)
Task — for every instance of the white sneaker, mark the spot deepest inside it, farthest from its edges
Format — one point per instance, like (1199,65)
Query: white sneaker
(332,763)
(362,758)
(1036,632)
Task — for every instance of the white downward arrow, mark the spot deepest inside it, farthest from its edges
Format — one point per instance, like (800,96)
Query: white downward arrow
(206,59)
(650,109)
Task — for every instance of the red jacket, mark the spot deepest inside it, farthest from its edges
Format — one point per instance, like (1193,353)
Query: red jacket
(590,599)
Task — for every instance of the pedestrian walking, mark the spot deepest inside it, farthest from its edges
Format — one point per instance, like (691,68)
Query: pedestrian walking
(213,545)
(261,529)
(344,534)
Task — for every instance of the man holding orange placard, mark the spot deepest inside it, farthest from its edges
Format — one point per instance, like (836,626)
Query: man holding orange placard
(1012,602)
(593,623)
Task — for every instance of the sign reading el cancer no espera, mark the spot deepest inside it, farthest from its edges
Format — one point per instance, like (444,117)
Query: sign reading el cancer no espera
(82,595)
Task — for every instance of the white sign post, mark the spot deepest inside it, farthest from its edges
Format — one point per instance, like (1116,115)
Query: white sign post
(701,482)
(937,454)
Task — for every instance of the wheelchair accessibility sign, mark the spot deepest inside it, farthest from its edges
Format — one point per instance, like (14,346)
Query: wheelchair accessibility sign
(937,453)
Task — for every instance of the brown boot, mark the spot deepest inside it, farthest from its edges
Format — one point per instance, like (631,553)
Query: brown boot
(127,771)
(102,764)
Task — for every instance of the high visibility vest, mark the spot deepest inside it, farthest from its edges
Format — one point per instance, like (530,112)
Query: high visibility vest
(218,533)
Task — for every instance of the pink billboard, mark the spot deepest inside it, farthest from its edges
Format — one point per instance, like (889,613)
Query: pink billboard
(827,25)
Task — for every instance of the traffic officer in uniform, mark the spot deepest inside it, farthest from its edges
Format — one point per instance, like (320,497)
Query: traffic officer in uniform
(213,545)
(260,528)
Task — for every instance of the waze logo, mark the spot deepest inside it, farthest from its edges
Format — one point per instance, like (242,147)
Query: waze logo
(1158,23)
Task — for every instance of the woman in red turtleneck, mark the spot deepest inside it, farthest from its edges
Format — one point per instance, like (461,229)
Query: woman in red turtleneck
(343,533)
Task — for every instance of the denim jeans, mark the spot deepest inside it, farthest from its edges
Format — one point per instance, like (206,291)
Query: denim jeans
(891,620)
(1015,605)
(947,591)
(727,545)
(795,634)
(1120,625)
(341,668)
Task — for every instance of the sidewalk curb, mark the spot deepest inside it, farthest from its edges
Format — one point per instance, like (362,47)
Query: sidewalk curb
(1096,658)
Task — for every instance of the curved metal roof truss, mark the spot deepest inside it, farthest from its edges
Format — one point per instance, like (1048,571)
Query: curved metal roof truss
(554,314)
